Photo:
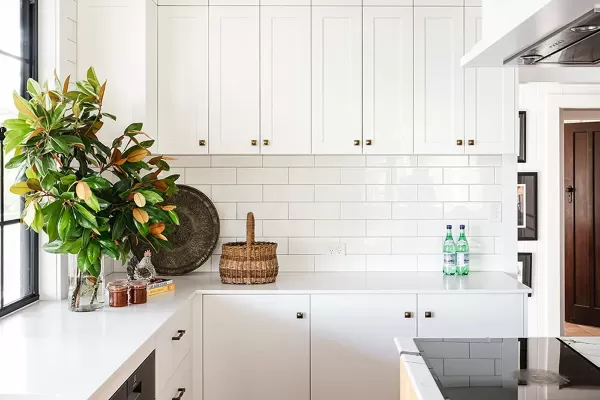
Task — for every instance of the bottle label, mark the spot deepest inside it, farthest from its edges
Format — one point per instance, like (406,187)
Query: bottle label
(449,259)
(462,259)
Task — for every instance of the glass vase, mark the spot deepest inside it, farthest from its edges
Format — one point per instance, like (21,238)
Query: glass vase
(86,291)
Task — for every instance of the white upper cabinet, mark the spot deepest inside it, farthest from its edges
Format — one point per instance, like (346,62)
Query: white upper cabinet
(388,80)
(439,3)
(233,80)
(182,2)
(182,80)
(388,3)
(233,2)
(118,38)
(337,80)
(439,83)
(285,80)
(473,3)
(284,3)
(490,100)
(337,3)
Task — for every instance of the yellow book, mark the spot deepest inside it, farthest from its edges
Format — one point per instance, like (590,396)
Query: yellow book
(162,289)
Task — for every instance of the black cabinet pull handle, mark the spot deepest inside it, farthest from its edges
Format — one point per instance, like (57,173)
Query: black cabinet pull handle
(428,314)
(180,334)
(300,315)
(180,393)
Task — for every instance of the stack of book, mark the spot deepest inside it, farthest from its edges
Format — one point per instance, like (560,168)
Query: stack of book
(160,285)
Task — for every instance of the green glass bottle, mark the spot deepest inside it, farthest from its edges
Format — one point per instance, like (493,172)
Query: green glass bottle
(462,253)
(449,253)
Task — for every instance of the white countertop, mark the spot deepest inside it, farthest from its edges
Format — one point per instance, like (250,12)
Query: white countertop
(49,352)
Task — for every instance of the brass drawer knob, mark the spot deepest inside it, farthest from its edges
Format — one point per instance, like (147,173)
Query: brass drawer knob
(369,142)
(471,142)
(459,142)
(266,142)
(357,142)
(408,314)
(202,142)
(428,314)
(300,315)
(253,142)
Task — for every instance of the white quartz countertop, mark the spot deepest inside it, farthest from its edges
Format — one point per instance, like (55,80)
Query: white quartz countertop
(49,352)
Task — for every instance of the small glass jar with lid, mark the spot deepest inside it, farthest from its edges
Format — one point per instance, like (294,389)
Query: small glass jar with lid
(118,293)
(138,293)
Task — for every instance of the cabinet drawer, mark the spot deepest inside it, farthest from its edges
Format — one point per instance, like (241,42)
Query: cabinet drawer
(181,379)
(470,315)
(173,343)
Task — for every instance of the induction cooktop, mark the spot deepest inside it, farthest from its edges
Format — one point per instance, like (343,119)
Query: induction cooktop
(510,369)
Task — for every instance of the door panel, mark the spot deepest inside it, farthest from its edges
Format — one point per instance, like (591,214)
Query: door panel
(353,355)
(285,80)
(388,80)
(183,80)
(233,79)
(582,223)
(337,80)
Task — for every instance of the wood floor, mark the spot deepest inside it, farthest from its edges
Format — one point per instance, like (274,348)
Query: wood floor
(580,330)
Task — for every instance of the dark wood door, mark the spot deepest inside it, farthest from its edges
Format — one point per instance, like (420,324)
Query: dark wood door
(582,223)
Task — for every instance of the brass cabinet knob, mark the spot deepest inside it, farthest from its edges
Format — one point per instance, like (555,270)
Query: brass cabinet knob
(253,142)
(357,142)
(428,314)
(266,142)
(459,142)
(471,142)
(300,315)
(408,314)
(369,142)
(202,142)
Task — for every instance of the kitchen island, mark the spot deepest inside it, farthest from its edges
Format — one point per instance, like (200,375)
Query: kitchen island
(500,368)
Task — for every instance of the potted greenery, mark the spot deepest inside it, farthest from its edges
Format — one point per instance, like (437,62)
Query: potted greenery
(90,198)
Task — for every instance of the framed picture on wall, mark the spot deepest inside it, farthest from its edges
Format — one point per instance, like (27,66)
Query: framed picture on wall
(522,137)
(527,208)
(524,272)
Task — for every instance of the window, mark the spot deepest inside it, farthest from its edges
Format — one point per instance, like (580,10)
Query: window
(18,246)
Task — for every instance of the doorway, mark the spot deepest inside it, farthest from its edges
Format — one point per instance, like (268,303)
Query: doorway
(582,223)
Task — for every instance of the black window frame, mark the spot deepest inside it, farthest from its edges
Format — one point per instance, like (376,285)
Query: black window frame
(29,69)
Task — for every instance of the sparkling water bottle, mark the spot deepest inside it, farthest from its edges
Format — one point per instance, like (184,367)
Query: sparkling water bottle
(462,253)
(449,251)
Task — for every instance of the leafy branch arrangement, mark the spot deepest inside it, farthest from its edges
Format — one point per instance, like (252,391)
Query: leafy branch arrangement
(65,166)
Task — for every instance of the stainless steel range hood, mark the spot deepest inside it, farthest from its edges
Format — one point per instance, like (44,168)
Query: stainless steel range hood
(561,33)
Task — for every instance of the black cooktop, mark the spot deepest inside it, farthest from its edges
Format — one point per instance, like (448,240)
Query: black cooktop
(510,369)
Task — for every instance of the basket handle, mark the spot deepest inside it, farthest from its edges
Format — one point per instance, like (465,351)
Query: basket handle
(250,232)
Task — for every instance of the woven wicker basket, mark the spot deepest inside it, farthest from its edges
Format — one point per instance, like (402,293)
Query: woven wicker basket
(249,262)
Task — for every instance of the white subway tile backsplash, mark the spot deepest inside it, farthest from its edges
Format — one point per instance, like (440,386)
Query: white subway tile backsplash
(340,193)
(470,366)
(391,193)
(443,193)
(391,161)
(498,176)
(296,263)
(485,381)
(289,228)
(430,262)
(340,161)
(382,263)
(288,161)
(210,176)
(438,227)
(485,161)
(262,176)
(219,248)
(314,211)
(486,211)
(282,243)
(438,365)
(446,350)
(486,350)
(469,176)
(392,228)
(175,171)
(235,161)
(443,161)
(314,176)
(485,228)
(481,245)
(485,193)
(454,381)
(417,176)
(263,210)
(498,366)
(340,228)
(366,210)
(498,245)
(236,193)
(486,262)
(340,263)
(237,228)
(190,161)
(417,210)
(366,176)
(226,210)
(367,245)
(289,193)
(206,189)
(417,245)
(311,245)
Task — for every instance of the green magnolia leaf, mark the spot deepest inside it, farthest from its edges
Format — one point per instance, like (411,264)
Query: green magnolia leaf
(110,248)
(30,174)
(13,139)
(66,224)
(174,217)
(16,161)
(119,226)
(71,140)
(93,79)
(83,217)
(38,222)
(33,87)
(85,237)
(97,182)
(94,269)
(151,196)
(75,246)
(68,179)
(107,115)
(143,229)
(147,143)
(93,252)
(48,182)
(59,145)
(92,203)
(53,246)
(82,261)
(16,124)
(67,195)
(136,126)
(52,226)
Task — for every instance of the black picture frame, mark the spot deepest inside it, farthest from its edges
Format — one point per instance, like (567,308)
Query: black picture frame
(525,273)
(522,156)
(527,205)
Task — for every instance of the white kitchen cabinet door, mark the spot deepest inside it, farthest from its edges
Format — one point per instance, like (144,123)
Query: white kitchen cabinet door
(255,347)
(490,100)
(388,80)
(470,315)
(353,355)
(181,379)
(439,83)
(285,80)
(119,39)
(337,80)
(233,80)
(182,80)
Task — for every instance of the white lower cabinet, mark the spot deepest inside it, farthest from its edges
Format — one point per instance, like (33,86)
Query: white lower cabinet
(180,385)
(353,355)
(256,347)
(470,315)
